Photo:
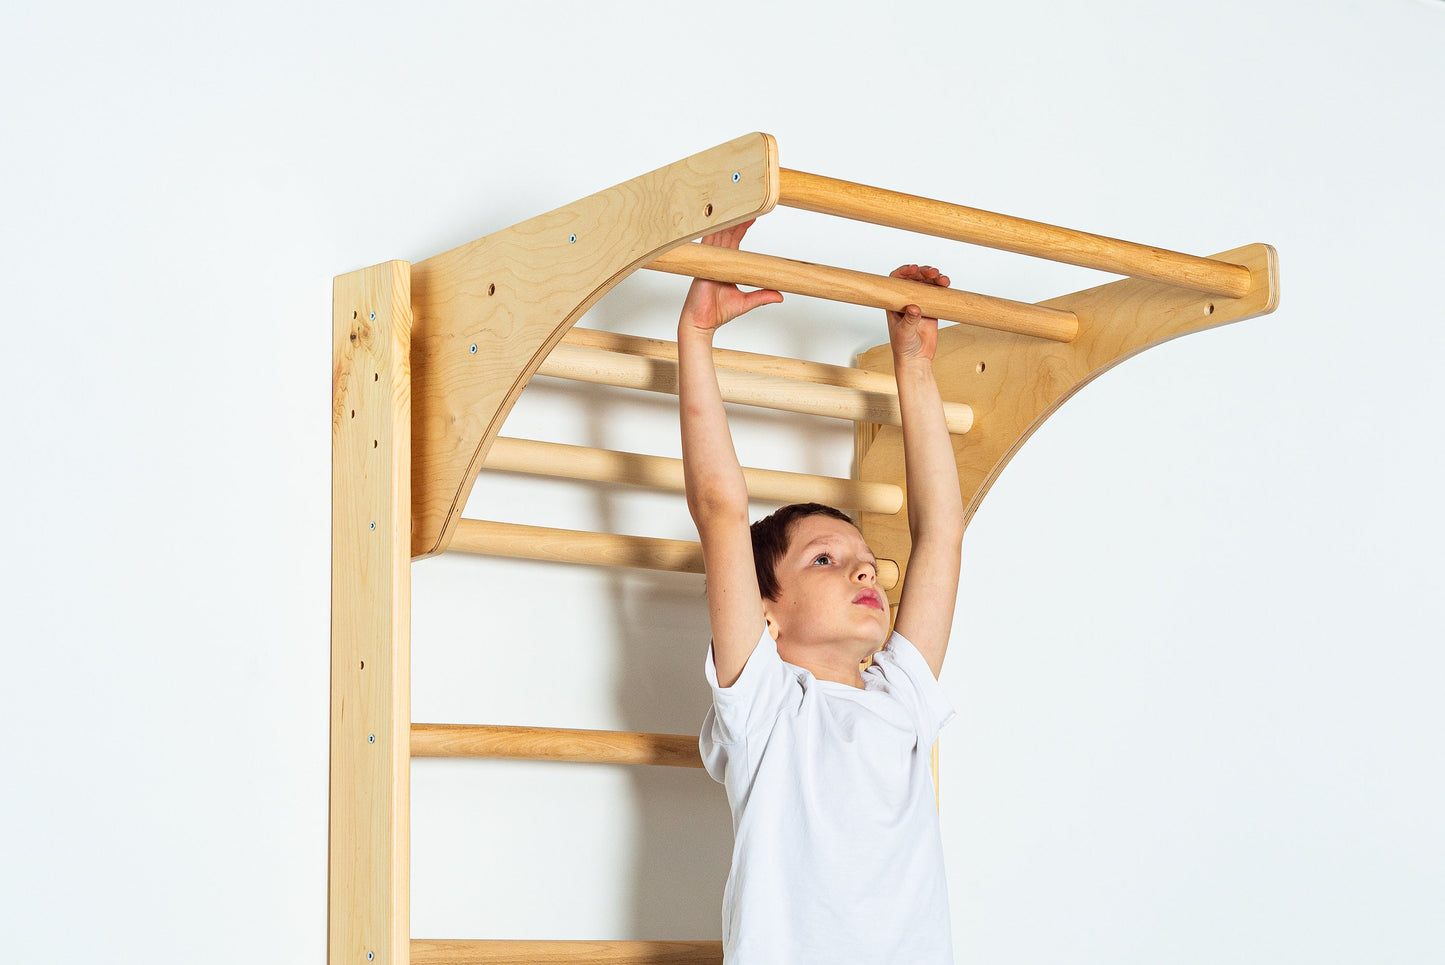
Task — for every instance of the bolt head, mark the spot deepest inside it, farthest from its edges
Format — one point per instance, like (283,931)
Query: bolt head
(737,177)
(373,316)
(473,350)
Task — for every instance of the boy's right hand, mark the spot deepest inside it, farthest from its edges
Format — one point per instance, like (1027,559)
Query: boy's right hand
(712,304)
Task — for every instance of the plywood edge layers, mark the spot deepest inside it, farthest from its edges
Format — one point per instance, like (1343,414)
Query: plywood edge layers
(368,904)
(488,313)
(1014,383)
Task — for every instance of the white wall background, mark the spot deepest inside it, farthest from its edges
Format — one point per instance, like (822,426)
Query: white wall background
(1198,655)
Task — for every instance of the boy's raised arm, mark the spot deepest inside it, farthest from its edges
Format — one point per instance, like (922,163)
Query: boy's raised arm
(935,503)
(717,497)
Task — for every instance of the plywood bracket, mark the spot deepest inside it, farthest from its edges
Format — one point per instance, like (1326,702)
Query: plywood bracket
(1014,382)
(489,312)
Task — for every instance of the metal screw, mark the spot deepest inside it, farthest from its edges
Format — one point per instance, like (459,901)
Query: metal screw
(371,738)
(572,240)
(373,524)
(473,350)
(373,314)
(736,177)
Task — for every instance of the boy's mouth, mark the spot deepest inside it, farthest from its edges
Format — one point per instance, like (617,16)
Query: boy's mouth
(869,598)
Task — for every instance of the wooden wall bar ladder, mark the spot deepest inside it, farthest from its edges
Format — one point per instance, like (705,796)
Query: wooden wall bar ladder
(429,358)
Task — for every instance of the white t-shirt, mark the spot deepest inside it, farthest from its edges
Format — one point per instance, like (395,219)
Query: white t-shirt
(837,856)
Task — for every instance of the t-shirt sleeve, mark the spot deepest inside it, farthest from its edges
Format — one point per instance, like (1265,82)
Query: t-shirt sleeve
(747,710)
(912,682)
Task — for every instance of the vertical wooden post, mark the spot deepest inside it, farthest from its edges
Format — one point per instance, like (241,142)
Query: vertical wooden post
(370,850)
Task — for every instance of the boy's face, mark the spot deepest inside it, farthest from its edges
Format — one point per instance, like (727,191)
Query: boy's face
(828,595)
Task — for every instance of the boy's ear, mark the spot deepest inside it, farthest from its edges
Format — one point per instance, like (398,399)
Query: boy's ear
(768,619)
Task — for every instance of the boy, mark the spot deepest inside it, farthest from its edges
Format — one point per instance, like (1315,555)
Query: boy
(837,856)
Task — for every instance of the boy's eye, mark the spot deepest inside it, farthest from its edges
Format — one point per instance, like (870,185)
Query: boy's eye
(823,558)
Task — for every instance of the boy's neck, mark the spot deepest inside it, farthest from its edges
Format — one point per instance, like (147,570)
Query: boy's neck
(845,671)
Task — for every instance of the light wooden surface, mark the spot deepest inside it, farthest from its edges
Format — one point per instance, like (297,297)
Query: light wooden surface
(369,854)
(1015,383)
(489,311)
(554,744)
(662,472)
(777,366)
(426,951)
(812,192)
(600,367)
(598,549)
(958,416)
(861,288)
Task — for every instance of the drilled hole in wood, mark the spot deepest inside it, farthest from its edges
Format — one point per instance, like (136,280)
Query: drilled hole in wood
(353,413)
(707,211)
(363,665)
(353,315)
(373,443)
(491,289)
(375,376)
(979,368)
(1209,309)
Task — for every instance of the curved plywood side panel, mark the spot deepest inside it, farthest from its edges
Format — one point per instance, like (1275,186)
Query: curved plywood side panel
(488,313)
(1015,382)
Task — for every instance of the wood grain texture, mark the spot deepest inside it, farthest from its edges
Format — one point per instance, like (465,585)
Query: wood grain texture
(858,202)
(369,854)
(1015,383)
(599,367)
(521,541)
(554,744)
(488,312)
(661,472)
(862,288)
(429,951)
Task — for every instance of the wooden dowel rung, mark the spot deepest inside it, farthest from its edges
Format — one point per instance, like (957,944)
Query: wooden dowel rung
(661,472)
(439,951)
(659,375)
(778,366)
(861,288)
(599,549)
(859,202)
(554,744)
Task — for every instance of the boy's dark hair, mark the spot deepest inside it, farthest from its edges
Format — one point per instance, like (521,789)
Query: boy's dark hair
(770,540)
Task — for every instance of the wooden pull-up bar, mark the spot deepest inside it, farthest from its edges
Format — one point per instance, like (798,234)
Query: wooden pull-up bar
(862,288)
(858,202)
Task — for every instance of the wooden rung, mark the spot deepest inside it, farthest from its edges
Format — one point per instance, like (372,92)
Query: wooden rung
(599,549)
(861,288)
(554,744)
(778,366)
(658,375)
(661,472)
(858,202)
(436,951)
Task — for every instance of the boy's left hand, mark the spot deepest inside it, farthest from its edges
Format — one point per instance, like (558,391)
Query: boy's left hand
(912,335)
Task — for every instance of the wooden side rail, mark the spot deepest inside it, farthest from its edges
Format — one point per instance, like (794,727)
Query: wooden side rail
(599,549)
(433,951)
(656,375)
(858,202)
(862,288)
(554,744)
(662,472)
